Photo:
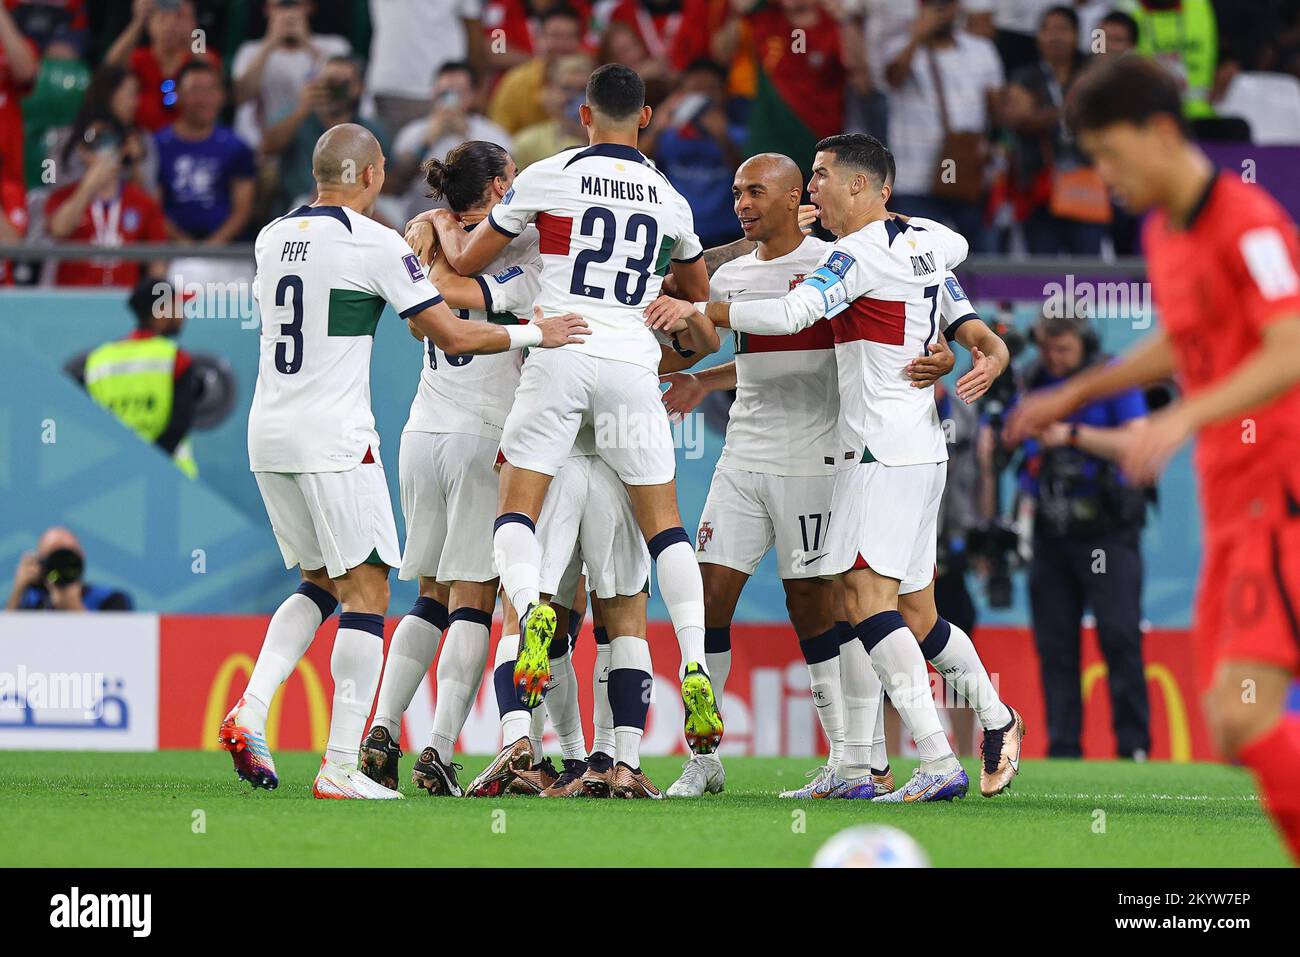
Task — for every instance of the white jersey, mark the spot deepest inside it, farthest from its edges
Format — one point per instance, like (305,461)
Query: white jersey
(609,223)
(324,275)
(881,289)
(472,394)
(785,418)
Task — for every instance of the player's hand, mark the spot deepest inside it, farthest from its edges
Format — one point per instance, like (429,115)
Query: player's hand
(668,315)
(1035,412)
(564,330)
(422,239)
(808,214)
(977,381)
(684,394)
(1148,446)
(28,572)
(927,370)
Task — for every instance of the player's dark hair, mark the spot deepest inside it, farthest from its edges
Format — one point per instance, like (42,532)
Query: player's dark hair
(1125,89)
(616,91)
(860,151)
(465,176)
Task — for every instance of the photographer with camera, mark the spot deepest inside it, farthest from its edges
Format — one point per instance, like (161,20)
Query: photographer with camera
(1087,525)
(50,579)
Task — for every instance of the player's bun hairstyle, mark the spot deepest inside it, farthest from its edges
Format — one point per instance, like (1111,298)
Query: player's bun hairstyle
(465,176)
(861,151)
(616,92)
(1123,89)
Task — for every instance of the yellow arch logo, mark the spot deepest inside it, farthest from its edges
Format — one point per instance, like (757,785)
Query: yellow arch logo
(1180,731)
(242,664)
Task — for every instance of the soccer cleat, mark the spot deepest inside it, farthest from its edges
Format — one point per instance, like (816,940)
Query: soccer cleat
(493,780)
(630,783)
(925,787)
(334,781)
(1001,752)
(884,782)
(826,784)
(815,787)
(431,774)
(703,722)
(379,755)
(569,783)
(533,665)
(535,780)
(244,737)
(701,774)
(598,776)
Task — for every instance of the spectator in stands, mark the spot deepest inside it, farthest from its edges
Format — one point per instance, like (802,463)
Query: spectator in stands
(412,39)
(516,103)
(105,207)
(621,43)
(1184,37)
(330,99)
(269,73)
(1012,25)
(943,85)
(1045,161)
(1086,545)
(510,27)
(698,148)
(113,97)
(19,61)
(13,219)
(56,97)
(50,579)
(169,25)
(455,118)
(1119,34)
(565,91)
(146,379)
(656,24)
(206,171)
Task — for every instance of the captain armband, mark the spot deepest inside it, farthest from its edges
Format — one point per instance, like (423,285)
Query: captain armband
(835,297)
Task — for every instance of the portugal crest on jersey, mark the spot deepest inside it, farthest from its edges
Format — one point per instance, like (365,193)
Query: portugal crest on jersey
(798,278)
(703,536)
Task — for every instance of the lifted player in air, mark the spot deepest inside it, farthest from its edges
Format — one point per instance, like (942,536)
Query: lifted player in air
(880,286)
(611,228)
(1225,269)
(324,274)
(448,480)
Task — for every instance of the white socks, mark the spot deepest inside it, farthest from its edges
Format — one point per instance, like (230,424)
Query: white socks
(516,720)
(861,688)
(518,557)
(562,707)
(355,664)
(682,590)
(953,655)
(460,672)
(413,648)
(288,636)
(602,739)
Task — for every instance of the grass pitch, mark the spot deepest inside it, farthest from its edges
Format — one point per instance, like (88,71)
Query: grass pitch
(188,809)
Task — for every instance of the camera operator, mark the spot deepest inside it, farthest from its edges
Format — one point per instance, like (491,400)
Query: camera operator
(1086,546)
(50,579)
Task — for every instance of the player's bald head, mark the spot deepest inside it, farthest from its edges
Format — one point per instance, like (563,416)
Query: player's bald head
(342,153)
(776,171)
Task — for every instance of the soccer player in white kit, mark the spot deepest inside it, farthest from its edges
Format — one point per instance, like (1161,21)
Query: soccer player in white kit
(611,227)
(448,481)
(324,274)
(880,286)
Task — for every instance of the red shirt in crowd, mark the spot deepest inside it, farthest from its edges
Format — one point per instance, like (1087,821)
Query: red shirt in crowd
(810,80)
(658,31)
(134,217)
(158,91)
(11,119)
(13,206)
(519,24)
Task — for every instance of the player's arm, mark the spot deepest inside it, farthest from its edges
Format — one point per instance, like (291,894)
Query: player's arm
(686,390)
(1151,360)
(471,337)
(468,253)
(460,292)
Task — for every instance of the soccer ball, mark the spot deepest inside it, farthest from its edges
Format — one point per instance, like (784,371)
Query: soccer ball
(871,845)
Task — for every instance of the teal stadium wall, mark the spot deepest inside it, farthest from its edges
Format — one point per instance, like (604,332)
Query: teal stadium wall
(141,521)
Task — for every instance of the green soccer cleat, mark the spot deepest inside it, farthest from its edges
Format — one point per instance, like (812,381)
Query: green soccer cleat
(703,721)
(533,666)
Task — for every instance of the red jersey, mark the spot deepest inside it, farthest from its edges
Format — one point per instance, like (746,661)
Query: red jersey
(13,207)
(134,217)
(1217,284)
(158,92)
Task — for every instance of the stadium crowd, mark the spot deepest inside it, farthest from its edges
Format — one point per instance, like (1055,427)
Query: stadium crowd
(192,121)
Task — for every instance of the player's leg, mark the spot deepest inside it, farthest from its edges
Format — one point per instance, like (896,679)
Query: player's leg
(1246,712)
(600,761)
(952,653)
(630,682)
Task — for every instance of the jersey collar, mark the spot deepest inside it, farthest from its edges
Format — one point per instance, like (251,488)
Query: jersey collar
(612,150)
(334,212)
(1203,200)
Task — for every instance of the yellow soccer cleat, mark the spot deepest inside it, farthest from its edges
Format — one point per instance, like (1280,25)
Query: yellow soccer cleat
(533,666)
(703,721)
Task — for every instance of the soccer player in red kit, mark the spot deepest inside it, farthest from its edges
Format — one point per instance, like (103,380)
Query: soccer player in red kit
(1224,266)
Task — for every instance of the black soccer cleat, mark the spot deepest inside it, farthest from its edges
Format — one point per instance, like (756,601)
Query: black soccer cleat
(379,757)
(435,777)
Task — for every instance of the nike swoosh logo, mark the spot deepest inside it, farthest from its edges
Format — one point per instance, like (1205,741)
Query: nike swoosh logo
(826,705)
(815,558)
(938,785)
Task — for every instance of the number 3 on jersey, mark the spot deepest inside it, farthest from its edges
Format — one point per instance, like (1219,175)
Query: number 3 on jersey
(629,283)
(292,330)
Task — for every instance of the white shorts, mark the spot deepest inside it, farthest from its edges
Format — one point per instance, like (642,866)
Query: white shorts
(560,390)
(747,513)
(887,517)
(587,519)
(449,498)
(334,520)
